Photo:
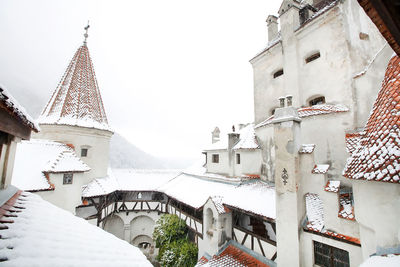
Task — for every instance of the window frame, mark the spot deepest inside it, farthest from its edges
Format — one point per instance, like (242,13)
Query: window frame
(215,158)
(318,248)
(320,98)
(84,155)
(278,73)
(238,158)
(314,56)
(67,176)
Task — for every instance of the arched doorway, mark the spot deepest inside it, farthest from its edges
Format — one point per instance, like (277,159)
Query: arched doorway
(114,225)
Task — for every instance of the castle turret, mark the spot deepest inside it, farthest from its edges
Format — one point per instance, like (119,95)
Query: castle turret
(75,114)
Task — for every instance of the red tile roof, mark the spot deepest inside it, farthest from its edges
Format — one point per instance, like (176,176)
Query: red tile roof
(352,140)
(377,156)
(232,256)
(77,99)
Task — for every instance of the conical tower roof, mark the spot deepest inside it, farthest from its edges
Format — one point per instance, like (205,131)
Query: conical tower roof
(377,155)
(77,100)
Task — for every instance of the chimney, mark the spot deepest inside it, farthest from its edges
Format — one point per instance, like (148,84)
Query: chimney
(215,135)
(272,25)
(289,17)
(287,179)
(233,138)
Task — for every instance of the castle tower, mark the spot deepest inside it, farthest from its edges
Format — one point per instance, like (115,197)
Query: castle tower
(75,114)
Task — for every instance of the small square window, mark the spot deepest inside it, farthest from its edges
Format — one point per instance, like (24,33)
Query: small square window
(67,179)
(84,152)
(237,158)
(215,158)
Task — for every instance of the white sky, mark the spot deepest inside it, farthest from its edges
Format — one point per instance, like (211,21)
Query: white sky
(169,71)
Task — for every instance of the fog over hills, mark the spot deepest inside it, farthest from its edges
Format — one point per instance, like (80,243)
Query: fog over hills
(123,154)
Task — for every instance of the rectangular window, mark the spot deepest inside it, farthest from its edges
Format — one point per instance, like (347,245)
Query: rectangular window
(215,158)
(313,57)
(237,158)
(67,179)
(84,152)
(328,256)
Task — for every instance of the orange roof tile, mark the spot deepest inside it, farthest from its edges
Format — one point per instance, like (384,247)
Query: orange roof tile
(377,156)
(77,100)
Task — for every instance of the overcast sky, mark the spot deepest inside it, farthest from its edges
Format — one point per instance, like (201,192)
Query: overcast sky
(168,71)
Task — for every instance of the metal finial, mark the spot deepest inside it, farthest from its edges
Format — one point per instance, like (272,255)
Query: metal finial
(86,35)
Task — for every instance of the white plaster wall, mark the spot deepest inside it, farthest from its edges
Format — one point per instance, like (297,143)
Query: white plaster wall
(267,90)
(377,209)
(97,140)
(265,137)
(65,196)
(307,249)
(343,54)
(7,166)
(114,225)
(250,162)
(217,229)
(223,166)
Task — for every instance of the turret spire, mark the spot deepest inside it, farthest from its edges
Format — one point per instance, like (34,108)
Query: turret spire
(86,35)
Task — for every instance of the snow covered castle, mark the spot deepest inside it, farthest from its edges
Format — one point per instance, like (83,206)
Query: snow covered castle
(294,188)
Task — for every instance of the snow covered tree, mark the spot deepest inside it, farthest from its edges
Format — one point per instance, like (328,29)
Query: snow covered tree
(171,237)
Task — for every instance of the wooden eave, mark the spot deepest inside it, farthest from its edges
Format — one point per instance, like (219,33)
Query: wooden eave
(13,125)
(385,14)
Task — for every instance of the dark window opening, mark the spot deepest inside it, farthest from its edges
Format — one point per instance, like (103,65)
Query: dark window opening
(278,73)
(84,152)
(144,245)
(215,158)
(67,178)
(237,158)
(317,101)
(313,57)
(328,256)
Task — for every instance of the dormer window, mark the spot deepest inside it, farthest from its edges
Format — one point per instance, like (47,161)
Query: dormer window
(313,57)
(278,73)
(317,101)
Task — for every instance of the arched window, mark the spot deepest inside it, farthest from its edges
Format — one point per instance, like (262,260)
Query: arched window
(278,73)
(317,101)
(313,57)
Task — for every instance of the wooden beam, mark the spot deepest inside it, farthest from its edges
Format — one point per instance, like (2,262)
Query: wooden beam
(13,125)
(244,238)
(261,247)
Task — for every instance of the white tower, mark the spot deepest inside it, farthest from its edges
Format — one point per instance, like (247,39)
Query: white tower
(75,114)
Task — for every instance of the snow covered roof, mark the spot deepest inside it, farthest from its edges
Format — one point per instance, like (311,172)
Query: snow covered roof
(315,220)
(77,100)
(234,254)
(315,212)
(377,155)
(320,168)
(194,191)
(247,140)
(128,180)
(315,110)
(352,140)
(390,260)
(37,157)
(45,235)
(13,107)
(332,186)
(346,209)
(306,148)
(218,203)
